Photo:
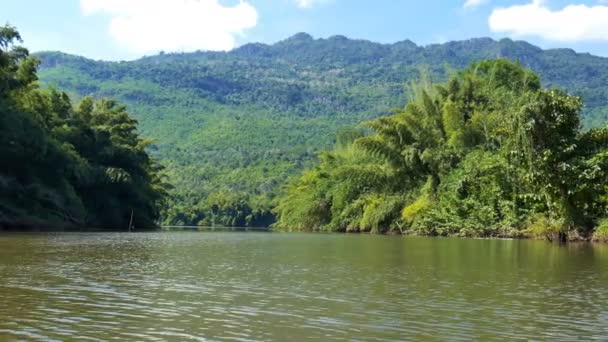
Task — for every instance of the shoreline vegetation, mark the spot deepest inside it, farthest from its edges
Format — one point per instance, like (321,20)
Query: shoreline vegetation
(67,165)
(488,154)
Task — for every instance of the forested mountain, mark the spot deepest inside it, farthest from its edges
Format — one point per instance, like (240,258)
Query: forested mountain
(232,126)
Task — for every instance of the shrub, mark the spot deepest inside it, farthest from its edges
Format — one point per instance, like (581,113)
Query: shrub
(601,231)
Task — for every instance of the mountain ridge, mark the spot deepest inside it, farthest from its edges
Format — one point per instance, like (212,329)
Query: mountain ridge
(303,37)
(338,51)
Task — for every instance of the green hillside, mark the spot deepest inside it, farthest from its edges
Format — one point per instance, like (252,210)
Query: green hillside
(233,126)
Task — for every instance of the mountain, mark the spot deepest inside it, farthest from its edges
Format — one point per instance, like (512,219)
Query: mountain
(232,126)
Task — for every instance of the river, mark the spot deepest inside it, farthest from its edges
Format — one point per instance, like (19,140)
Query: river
(271,286)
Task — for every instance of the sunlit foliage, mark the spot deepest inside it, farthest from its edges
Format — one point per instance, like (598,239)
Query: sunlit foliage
(489,153)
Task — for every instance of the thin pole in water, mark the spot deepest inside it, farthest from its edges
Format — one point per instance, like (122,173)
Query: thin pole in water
(131,221)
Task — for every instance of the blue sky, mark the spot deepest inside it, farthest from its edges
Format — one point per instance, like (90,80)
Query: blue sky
(128,29)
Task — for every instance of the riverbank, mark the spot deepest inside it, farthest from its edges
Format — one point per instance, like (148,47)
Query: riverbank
(599,235)
(42,226)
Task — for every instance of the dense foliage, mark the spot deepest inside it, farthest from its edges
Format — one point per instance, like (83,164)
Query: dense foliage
(69,166)
(489,153)
(232,126)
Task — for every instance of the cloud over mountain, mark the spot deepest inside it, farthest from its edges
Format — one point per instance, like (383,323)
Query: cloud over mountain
(144,26)
(569,24)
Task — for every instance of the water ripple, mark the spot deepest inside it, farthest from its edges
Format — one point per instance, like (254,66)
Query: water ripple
(259,287)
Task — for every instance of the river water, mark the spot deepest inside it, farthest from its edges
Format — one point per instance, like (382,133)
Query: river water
(270,286)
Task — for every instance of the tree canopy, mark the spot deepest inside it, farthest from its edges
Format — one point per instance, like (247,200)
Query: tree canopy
(65,165)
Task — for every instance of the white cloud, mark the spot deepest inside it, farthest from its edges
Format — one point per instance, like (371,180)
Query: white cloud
(474,3)
(145,26)
(308,3)
(569,24)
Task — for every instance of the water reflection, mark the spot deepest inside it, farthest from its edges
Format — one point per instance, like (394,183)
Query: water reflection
(248,286)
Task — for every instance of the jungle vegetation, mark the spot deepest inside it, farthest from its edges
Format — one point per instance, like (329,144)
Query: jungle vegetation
(488,153)
(232,127)
(65,165)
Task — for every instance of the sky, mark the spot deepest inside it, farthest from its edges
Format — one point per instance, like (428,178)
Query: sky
(129,29)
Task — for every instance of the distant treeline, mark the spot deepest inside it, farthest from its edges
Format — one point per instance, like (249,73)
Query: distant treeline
(69,166)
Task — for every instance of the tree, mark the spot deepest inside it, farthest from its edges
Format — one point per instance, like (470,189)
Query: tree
(489,153)
(67,166)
